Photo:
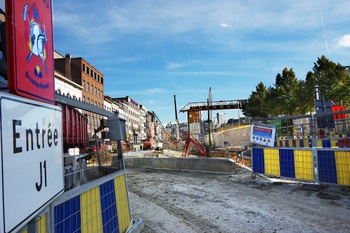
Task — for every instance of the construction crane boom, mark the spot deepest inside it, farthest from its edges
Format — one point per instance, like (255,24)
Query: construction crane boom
(177,133)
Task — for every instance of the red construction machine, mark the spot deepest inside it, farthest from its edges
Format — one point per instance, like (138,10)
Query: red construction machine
(198,145)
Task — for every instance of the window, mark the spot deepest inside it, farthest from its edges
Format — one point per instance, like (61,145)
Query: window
(88,100)
(84,98)
(95,91)
(88,86)
(99,93)
(92,89)
(83,84)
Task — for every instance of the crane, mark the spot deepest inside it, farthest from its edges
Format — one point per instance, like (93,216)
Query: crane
(177,130)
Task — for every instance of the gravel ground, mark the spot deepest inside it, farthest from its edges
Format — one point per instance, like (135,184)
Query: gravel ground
(173,201)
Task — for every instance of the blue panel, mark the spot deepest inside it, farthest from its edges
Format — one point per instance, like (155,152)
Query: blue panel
(67,216)
(301,142)
(326,143)
(287,168)
(294,142)
(287,142)
(109,207)
(327,167)
(258,160)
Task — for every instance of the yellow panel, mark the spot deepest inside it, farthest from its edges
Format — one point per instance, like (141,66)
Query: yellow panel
(334,144)
(304,169)
(306,143)
(42,224)
(122,198)
(272,161)
(297,143)
(90,211)
(284,143)
(319,143)
(342,161)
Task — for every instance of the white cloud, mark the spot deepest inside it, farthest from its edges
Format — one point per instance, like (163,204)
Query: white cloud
(225,25)
(174,65)
(344,41)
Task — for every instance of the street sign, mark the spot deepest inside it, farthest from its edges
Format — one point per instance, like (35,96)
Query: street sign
(31,164)
(263,134)
(30,49)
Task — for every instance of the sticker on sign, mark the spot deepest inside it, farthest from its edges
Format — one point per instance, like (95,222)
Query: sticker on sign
(31,165)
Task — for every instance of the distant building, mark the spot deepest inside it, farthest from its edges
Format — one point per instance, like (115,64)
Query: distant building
(133,123)
(90,79)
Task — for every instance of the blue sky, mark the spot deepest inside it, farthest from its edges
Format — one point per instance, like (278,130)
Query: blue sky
(152,50)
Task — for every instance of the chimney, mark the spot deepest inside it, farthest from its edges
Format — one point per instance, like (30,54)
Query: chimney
(68,66)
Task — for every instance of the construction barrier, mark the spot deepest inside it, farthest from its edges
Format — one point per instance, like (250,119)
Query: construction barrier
(313,165)
(101,205)
(307,142)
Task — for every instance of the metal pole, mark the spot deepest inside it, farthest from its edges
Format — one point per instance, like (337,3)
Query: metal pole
(209,128)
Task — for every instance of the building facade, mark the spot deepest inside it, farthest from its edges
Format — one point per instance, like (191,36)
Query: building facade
(133,123)
(90,79)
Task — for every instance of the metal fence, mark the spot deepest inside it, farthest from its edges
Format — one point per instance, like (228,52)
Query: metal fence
(314,130)
(80,169)
(312,148)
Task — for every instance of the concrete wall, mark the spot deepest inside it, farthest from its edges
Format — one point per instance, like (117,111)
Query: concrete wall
(214,165)
(232,137)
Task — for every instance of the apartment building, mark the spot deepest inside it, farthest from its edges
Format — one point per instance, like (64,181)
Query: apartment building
(64,86)
(90,79)
(133,123)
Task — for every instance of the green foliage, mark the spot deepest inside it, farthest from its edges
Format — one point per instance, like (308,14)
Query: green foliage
(290,96)
(257,105)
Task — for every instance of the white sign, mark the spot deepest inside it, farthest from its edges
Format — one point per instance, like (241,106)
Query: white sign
(263,134)
(32,163)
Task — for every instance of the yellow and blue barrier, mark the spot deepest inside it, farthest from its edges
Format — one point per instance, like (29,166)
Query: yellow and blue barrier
(333,165)
(101,205)
(103,208)
(306,142)
(296,164)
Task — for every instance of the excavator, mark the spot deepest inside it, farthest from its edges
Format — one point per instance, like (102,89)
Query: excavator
(198,145)
(189,139)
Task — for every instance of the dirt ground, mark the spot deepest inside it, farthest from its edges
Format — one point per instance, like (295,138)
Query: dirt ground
(174,201)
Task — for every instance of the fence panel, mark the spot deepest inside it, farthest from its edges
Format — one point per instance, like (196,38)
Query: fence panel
(331,165)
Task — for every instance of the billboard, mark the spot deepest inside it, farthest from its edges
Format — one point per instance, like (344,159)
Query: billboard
(30,49)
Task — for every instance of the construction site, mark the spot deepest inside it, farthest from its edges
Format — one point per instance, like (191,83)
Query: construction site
(280,174)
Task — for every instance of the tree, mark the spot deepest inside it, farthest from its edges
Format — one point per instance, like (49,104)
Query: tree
(257,103)
(290,96)
(332,79)
(285,96)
